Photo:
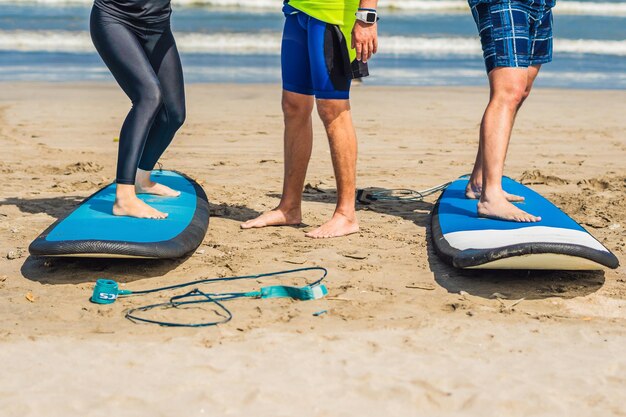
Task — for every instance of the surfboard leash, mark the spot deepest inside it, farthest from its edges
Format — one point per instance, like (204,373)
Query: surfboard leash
(397,194)
(107,291)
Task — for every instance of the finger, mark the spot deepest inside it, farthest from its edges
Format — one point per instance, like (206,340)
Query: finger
(375,45)
(370,50)
(359,50)
(365,52)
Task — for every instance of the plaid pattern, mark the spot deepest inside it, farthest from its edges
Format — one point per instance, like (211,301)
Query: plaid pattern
(514,34)
(536,4)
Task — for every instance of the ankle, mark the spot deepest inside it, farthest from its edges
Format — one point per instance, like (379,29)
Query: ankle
(145,183)
(347,212)
(476,178)
(143,179)
(475,185)
(289,207)
(125,192)
(491,194)
(123,201)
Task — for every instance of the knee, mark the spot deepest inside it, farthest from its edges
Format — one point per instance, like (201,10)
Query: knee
(331,110)
(177,117)
(526,93)
(294,107)
(151,97)
(512,95)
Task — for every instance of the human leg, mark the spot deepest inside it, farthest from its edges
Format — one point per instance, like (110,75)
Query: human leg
(331,81)
(337,119)
(506,36)
(165,61)
(475,183)
(298,144)
(508,90)
(297,105)
(123,54)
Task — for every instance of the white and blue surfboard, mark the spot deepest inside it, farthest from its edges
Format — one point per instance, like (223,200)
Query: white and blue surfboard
(557,242)
(91,230)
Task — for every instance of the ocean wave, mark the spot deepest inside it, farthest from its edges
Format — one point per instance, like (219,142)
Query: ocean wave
(80,42)
(269,44)
(563,7)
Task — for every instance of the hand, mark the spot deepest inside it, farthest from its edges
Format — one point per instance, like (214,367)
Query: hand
(365,40)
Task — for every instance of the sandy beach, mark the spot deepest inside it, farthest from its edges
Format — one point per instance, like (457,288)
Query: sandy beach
(404,334)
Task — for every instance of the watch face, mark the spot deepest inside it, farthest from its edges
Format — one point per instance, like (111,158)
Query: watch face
(371,18)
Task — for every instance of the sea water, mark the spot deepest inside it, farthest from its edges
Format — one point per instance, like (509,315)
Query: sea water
(422,42)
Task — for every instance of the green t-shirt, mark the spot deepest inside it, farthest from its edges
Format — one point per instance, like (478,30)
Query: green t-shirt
(335,12)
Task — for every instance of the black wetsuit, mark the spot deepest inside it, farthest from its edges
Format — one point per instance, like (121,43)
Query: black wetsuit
(135,41)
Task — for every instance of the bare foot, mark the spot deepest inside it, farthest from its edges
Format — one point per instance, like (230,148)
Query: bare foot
(156,189)
(339,225)
(473,192)
(276,217)
(134,207)
(501,209)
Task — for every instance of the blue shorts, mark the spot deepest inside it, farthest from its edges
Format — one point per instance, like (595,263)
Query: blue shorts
(314,57)
(514,34)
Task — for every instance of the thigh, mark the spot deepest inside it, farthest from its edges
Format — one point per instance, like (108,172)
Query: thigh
(541,38)
(482,16)
(504,30)
(122,52)
(296,67)
(330,62)
(165,60)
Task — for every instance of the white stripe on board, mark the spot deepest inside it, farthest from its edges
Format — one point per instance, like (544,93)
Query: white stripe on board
(490,239)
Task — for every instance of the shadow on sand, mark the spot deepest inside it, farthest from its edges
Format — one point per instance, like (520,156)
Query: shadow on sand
(233,212)
(513,284)
(57,271)
(416,211)
(53,206)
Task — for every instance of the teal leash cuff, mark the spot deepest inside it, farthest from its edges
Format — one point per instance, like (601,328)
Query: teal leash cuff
(306,293)
(107,291)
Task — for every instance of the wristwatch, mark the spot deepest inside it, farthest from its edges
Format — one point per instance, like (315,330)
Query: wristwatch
(369,16)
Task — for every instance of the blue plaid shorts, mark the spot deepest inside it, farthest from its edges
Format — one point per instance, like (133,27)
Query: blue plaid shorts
(514,34)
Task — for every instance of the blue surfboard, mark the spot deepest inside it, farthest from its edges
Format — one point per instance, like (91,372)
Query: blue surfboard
(557,242)
(91,230)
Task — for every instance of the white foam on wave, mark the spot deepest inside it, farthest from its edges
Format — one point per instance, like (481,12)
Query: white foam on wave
(563,7)
(591,8)
(80,42)
(425,5)
(269,44)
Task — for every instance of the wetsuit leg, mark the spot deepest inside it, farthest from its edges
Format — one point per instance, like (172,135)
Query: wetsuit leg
(122,51)
(296,67)
(165,61)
